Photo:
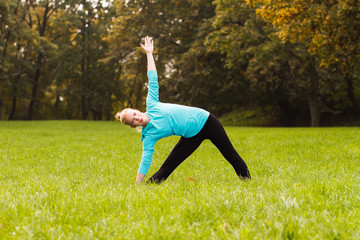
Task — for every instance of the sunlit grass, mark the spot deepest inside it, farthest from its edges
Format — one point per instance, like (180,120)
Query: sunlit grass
(75,180)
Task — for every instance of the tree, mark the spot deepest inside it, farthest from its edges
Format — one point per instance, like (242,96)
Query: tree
(8,11)
(277,73)
(18,41)
(329,29)
(42,11)
(5,21)
(89,86)
(173,24)
(198,77)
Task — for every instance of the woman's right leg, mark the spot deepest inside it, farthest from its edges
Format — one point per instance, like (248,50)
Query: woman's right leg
(183,149)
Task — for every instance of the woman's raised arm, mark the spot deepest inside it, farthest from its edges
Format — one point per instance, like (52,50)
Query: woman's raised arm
(149,48)
(153,86)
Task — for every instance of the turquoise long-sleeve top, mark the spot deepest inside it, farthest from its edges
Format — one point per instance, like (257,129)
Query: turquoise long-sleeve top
(166,119)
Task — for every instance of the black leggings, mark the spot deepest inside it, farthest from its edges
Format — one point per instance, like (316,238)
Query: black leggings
(212,130)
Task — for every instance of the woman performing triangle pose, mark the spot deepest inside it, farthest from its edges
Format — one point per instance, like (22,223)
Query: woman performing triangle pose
(160,120)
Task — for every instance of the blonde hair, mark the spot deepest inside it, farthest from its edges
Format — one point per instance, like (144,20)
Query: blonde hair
(121,115)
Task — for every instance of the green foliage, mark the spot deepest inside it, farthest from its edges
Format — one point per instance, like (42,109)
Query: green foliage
(175,31)
(75,180)
(330,31)
(256,116)
(275,73)
(82,60)
(53,54)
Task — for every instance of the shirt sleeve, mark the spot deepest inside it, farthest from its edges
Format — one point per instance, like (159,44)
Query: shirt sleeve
(148,151)
(153,91)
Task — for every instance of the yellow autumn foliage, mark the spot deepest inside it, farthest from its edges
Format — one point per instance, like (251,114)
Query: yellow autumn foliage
(324,26)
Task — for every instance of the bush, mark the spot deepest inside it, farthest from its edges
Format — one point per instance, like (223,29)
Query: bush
(255,116)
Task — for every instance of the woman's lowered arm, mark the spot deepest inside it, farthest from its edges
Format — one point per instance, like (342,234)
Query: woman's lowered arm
(149,48)
(139,178)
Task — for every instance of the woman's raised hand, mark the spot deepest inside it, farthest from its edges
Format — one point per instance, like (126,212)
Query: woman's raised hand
(149,48)
(149,45)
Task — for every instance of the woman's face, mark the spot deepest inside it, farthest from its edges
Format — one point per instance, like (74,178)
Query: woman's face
(135,118)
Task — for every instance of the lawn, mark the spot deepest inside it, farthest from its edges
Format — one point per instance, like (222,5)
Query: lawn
(75,180)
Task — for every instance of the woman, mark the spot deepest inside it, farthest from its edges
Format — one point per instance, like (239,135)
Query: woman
(194,125)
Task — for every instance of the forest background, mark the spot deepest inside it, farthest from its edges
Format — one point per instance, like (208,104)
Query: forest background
(254,62)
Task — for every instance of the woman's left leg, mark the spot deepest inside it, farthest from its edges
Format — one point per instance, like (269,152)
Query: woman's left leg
(217,135)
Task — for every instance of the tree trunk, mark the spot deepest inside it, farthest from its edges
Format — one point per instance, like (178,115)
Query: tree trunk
(13,107)
(68,111)
(42,28)
(108,107)
(100,113)
(1,102)
(313,97)
(16,84)
(57,102)
(314,111)
(84,108)
(56,105)
(350,92)
(35,88)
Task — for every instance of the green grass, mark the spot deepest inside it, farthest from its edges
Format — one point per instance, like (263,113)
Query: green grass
(75,180)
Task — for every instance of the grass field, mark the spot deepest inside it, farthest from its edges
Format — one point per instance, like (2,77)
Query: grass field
(75,180)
